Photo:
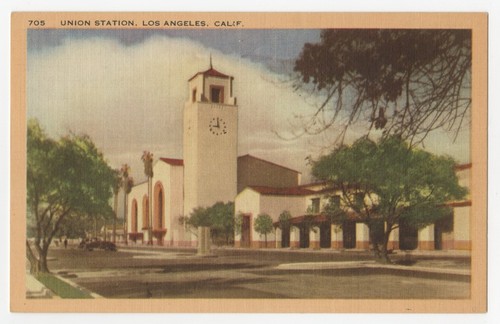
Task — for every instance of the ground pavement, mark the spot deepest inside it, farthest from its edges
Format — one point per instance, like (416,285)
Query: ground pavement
(240,273)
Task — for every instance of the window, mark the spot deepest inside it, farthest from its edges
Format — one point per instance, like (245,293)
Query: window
(335,200)
(217,94)
(194,95)
(359,199)
(315,205)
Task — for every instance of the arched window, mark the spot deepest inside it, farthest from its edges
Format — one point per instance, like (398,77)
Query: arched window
(159,206)
(134,216)
(145,212)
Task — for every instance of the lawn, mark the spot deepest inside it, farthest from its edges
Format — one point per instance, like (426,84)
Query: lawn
(61,288)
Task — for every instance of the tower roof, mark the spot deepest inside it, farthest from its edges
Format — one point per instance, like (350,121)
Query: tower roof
(211,72)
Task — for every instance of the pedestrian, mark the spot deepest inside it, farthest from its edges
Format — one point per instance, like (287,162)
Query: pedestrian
(65,242)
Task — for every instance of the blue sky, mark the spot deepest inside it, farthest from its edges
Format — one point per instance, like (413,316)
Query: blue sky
(257,45)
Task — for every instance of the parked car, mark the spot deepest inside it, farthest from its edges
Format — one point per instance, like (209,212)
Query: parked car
(103,245)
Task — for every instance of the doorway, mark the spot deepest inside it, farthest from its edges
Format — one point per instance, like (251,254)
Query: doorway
(245,231)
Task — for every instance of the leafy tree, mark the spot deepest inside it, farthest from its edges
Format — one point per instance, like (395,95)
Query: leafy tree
(284,220)
(219,217)
(263,225)
(64,177)
(222,221)
(405,82)
(238,223)
(389,183)
(284,223)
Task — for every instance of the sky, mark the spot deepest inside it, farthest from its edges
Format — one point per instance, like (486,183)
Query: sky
(126,89)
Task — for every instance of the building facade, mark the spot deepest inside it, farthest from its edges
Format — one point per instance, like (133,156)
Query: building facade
(211,172)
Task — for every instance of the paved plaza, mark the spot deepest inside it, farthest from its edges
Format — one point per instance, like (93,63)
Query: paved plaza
(240,273)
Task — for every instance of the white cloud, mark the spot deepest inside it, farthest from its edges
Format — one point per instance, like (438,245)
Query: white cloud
(130,99)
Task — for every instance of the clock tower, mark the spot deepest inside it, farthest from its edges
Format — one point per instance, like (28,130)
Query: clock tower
(210,140)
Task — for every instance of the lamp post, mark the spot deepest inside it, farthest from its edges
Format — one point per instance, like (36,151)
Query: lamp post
(127,184)
(147,158)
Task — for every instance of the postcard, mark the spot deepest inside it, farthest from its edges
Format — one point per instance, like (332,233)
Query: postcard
(248,162)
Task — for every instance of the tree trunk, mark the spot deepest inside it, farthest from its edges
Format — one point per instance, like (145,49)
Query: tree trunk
(43,257)
(384,256)
(34,264)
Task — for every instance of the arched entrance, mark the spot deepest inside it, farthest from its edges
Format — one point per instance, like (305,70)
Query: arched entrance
(133,228)
(304,236)
(285,237)
(145,212)
(134,233)
(443,233)
(325,235)
(349,234)
(245,231)
(159,213)
(408,236)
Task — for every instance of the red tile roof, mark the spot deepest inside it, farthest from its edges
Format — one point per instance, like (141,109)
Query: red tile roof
(460,167)
(175,162)
(211,72)
(291,191)
(319,218)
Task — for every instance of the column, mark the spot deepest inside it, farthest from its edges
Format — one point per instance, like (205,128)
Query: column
(314,237)
(426,238)
(277,238)
(294,237)
(393,243)
(337,237)
(461,228)
(362,236)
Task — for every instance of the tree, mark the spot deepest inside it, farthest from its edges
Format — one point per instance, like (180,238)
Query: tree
(127,185)
(284,223)
(222,221)
(263,225)
(219,217)
(284,220)
(387,183)
(64,177)
(404,82)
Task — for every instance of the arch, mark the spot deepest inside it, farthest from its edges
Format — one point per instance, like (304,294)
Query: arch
(159,229)
(408,236)
(134,217)
(304,236)
(349,235)
(145,212)
(285,237)
(159,206)
(325,235)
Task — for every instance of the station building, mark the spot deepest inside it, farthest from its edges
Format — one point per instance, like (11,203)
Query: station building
(211,171)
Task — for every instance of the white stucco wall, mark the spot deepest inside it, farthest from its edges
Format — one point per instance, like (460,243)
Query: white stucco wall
(461,223)
(247,202)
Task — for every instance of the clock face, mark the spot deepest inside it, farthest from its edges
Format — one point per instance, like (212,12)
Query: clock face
(217,126)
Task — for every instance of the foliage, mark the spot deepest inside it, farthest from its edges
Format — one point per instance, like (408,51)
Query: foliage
(263,225)
(389,182)
(64,177)
(147,158)
(61,288)
(238,223)
(406,82)
(219,217)
(284,220)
